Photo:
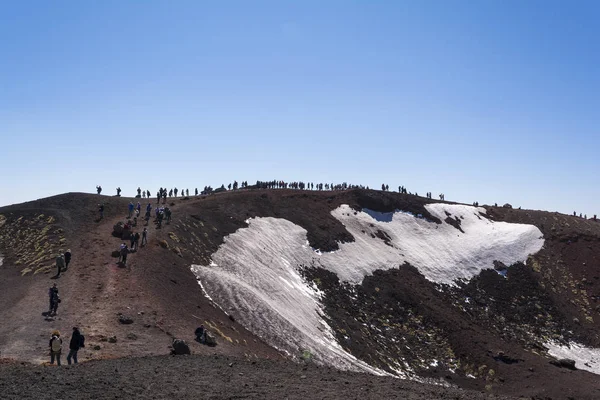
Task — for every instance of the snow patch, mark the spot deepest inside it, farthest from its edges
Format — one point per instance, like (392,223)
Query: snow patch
(254,273)
(585,357)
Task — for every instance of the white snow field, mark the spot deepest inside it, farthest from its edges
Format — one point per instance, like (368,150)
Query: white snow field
(585,358)
(253,275)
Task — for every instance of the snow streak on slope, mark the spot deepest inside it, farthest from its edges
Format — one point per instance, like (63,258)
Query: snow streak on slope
(585,358)
(254,274)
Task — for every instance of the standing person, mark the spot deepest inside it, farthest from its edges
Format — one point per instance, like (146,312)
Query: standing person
(196,191)
(53,299)
(168,214)
(60,264)
(101,210)
(139,191)
(55,347)
(132,240)
(124,252)
(145,237)
(77,342)
(99,189)
(67,259)
(138,207)
(136,242)
(130,208)
(175,191)
(119,192)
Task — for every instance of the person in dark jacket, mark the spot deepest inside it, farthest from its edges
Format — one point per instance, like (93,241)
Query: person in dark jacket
(74,345)
(67,259)
(53,297)
(124,252)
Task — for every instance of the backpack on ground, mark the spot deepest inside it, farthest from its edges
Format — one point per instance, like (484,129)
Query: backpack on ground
(56,344)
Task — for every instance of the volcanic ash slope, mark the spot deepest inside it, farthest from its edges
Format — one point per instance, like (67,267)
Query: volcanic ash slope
(254,274)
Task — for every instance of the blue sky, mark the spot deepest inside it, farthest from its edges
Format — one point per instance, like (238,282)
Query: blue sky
(494,101)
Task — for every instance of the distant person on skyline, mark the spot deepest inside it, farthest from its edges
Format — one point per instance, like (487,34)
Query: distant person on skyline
(119,192)
(175,191)
(139,191)
(99,189)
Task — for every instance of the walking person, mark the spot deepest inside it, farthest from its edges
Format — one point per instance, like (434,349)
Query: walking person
(60,265)
(130,207)
(124,252)
(77,342)
(67,259)
(132,240)
(53,299)
(145,237)
(136,242)
(55,347)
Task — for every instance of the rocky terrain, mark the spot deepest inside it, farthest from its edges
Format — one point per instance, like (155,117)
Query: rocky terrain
(484,335)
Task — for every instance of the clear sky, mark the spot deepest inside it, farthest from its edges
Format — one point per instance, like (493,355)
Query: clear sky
(494,101)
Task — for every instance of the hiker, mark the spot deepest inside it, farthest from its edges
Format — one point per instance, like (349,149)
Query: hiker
(144,194)
(138,208)
(196,191)
(77,342)
(132,240)
(145,237)
(53,297)
(121,247)
(187,192)
(168,214)
(67,259)
(139,192)
(99,189)
(55,347)
(200,333)
(118,192)
(136,241)
(124,252)
(147,194)
(101,210)
(60,264)
(175,191)
(130,208)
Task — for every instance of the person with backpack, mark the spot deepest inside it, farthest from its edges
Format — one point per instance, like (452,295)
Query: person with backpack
(77,342)
(55,347)
(67,259)
(124,252)
(60,265)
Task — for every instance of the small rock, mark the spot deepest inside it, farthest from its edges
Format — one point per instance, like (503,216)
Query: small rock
(125,320)
(112,339)
(564,363)
(180,347)
(231,364)
(132,336)
(96,347)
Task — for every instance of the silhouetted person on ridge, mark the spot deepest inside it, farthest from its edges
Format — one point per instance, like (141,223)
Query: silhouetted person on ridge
(139,191)
(119,192)
(99,189)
